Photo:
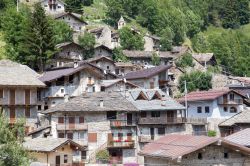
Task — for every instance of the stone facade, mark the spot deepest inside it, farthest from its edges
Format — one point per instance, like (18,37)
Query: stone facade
(53,6)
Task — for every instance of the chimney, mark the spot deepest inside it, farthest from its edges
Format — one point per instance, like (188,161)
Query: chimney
(163,100)
(101,103)
(66,98)
(76,64)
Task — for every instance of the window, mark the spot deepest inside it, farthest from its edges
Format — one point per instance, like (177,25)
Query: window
(93,89)
(62,90)
(65,159)
(200,156)
(120,135)
(111,115)
(59,7)
(107,67)
(207,110)
(225,109)
(60,120)
(155,114)
(60,135)
(161,131)
(83,155)
(233,110)
(143,114)
(1,93)
(231,96)
(70,135)
(27,112)
(39,107)
(199,110)
(81,119)
(225,155)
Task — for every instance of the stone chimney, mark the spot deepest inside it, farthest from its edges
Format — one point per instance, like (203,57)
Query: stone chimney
(163,100)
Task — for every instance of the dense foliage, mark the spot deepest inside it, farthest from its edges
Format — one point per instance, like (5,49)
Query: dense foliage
(76,6)
(11,151)
(195,80)
(131,40)
(185,61)
(155,59)
(118,55)
(87,42)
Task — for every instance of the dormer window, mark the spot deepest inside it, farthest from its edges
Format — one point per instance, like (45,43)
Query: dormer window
(141,96)
(156,96)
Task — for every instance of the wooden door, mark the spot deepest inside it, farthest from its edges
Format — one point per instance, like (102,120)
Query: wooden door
(12,97)
(170,116)
(152,133)
(71,122)
(27,97)
(58,161)
(129,119)
(12,115)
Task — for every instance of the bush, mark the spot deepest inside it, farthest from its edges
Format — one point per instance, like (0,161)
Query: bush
(102,155)
(155,59)
(185,61)
(211,133)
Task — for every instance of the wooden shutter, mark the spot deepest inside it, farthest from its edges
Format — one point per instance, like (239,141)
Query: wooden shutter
(71,122)
(12,115)
(27,97)
(1,93)
(110,137)
(27,112)
(12,97)
(92,137)
(61,120)
(81,119)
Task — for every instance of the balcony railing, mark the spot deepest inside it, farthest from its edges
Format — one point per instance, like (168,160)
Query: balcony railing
(196,120)
(121,144)
(231,102)
(83,126)
(161,120)
(199,133)
(121,123)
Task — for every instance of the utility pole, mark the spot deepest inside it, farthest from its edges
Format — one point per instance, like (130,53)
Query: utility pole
(185,82)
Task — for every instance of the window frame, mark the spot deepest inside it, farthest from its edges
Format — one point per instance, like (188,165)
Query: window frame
(199,110)
(207,111)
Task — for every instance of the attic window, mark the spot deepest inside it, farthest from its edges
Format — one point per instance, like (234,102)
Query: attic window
(156,96)
(142,96)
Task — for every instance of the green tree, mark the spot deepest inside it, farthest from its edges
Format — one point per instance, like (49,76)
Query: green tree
(196,80)
(11,151)
(62,32)
(185,61)
(131,40)
(166,40)
(87,42)
(115,10)
(40,42)
(76,6)
(118,55)
(155,59)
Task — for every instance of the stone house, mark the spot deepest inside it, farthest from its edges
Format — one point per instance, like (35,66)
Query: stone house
(102,35)
(205,59)
(145,57)
(185,150)
(152,43)
(214,105)
(117,85)
(236,123)
(67,52)
(52,7)
(63,83)
(55,151)
(151,78)
(74,21)
(18,93)
(122,68)
(102,50)
(104,62)
(101,120)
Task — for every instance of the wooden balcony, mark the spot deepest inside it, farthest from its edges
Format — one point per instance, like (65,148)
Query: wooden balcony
(121,144)
(163,82)
(196,120)
(121,123)
(82,126)
(230,102)
(145,138)
(161,120)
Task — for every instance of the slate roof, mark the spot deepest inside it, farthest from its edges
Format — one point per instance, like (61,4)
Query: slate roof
(90,102)
(206,95)
(48,144)
(147,73)
(242,117)
(60,45)
(173,146)
(203,57)
(91,60)
(108,83)
(152,104)
(241,137)
(124,64)
(76,16)
(55,74)
(147,54)
(14,74)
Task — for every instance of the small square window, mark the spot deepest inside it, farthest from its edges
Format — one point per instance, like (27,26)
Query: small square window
(233,110)
(225,109)
(155,114)
(199,110)
(143,114)
(65,158)
(200,156)
(161,131)
(226,155)
(207,110)
(62,90)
